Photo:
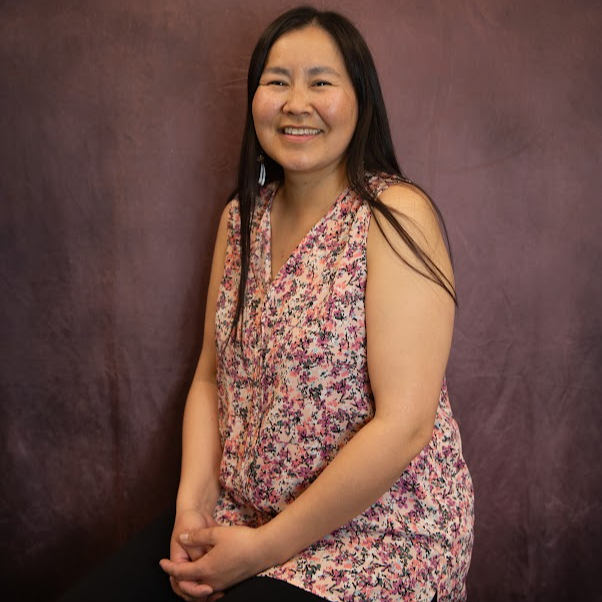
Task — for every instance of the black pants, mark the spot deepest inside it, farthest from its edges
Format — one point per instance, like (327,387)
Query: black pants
(133,574)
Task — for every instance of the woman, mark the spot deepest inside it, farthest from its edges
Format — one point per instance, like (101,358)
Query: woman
(319,448)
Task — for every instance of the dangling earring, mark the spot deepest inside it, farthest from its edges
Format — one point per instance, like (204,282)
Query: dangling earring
(261,171)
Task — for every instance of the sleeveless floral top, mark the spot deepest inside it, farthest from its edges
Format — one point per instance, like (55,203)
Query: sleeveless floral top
(298,389)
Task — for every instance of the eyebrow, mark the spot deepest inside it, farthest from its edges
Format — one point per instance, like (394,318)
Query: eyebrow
(312,71)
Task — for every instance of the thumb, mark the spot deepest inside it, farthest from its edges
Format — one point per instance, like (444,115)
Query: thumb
(199,537)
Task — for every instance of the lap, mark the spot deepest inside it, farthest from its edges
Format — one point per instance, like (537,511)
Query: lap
(133,574)
(266,589)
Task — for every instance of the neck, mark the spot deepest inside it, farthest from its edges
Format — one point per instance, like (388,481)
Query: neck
(302,194)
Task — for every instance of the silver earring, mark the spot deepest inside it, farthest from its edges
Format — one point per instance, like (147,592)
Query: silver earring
(262,173)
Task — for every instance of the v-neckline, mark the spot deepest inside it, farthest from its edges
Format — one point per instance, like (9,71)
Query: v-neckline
(271,281)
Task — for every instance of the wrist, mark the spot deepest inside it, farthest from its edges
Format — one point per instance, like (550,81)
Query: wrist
(273,547)
(202,504)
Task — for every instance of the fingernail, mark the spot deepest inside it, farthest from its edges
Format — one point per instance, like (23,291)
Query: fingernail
(184,537)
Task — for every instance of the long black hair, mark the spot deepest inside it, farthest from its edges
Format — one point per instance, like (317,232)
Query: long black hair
(370,150)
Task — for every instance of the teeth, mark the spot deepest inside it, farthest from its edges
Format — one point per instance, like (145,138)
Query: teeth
(301,131)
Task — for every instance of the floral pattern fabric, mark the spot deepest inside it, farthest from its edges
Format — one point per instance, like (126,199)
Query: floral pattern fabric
(297,389)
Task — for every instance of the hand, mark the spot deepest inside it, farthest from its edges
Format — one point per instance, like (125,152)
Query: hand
(189,520)
(234,554)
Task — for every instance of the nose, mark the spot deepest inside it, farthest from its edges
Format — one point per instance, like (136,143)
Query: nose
(297,101)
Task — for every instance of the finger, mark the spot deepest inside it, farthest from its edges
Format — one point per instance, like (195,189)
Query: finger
(182,571)
(196,552)
(195,590)
(177,591)
(199,537)
(178,553)
(201,591)
(215,596)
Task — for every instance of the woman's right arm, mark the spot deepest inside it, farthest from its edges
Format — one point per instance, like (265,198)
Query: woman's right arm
(201,449)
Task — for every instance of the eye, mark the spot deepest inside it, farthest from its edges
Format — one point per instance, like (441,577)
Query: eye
(276,82)
(321,83)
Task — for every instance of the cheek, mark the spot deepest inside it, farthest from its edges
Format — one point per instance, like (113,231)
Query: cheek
(263,108)
(256,110)
(342,111)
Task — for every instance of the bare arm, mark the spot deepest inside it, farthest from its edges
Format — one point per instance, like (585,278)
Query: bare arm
(201,449)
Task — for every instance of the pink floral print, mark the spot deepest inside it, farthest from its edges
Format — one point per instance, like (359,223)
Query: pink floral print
(297,389)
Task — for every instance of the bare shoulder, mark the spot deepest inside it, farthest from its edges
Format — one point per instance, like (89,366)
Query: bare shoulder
(226,216)
(231,205)
(416,214)
(414,211)
(221,244)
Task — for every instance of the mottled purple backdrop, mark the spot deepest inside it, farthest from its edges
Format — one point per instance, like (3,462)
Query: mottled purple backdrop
(120,122)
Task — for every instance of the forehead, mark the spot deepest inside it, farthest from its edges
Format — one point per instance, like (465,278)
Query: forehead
(310,46)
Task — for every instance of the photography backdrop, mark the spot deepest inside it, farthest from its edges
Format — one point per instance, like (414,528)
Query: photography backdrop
(120,122)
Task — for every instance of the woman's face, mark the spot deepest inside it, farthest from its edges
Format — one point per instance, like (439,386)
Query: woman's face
(305,108)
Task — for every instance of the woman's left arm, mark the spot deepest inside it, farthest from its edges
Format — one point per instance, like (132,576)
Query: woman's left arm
(409,323)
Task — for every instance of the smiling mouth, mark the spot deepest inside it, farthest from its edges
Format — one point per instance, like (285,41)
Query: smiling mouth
(300,131)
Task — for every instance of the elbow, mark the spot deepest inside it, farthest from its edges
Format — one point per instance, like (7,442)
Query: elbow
(422,438)
(409,446)
(415,441)
(405,443)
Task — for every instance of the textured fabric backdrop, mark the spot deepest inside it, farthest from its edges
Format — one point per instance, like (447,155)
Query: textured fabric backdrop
(120,122)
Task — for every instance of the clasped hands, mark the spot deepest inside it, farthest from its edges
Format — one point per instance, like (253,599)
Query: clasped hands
(206,558)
